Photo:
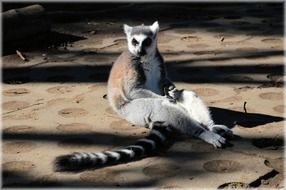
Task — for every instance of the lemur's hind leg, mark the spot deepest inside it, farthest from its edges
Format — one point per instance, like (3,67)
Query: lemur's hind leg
(198,110)
(150,111)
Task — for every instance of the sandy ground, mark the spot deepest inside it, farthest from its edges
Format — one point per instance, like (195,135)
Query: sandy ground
(232,57)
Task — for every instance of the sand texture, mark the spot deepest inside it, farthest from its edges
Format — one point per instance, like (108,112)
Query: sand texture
(231,55)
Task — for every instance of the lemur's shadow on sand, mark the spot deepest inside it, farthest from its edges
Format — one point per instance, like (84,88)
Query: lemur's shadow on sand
(231,118)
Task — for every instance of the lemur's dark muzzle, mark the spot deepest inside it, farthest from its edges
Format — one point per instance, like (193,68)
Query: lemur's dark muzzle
(142,52)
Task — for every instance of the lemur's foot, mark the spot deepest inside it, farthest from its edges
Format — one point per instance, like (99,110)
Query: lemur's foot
(150,124)
(221,130)
(212,138)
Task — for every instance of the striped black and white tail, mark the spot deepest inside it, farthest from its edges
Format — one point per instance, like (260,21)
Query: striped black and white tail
(143,147)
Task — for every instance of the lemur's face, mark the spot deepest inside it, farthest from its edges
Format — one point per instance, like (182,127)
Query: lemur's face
(142,40)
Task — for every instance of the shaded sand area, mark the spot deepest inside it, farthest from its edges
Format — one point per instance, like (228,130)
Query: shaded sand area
(231,55)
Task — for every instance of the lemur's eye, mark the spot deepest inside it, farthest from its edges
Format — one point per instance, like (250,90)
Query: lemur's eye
(134,42)
(147,42)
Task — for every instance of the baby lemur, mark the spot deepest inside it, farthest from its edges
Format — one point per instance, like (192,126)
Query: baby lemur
(140,91)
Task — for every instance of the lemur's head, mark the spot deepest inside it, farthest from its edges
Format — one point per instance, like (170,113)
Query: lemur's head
(142,40)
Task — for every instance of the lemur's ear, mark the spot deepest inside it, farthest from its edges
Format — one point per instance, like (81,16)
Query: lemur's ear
(127,29)
(155,27)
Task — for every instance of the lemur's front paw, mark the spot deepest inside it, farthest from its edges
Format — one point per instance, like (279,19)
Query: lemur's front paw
(176,94)
(167,86)
(215,139)
(167,95)
(171,99)
(222,130)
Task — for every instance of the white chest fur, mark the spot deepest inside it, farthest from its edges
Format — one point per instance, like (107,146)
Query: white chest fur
(153,75)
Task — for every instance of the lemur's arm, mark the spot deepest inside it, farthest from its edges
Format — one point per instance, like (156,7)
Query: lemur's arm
(165,83)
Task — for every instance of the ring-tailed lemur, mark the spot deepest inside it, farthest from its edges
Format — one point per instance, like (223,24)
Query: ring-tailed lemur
(140,92)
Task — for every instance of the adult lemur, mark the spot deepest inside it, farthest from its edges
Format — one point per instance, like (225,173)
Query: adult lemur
(140,92)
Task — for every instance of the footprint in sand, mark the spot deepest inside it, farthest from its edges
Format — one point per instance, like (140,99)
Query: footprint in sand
(21,129)
(103,176)
(271,96)
(191,38)
(161,170)
(272,40)
(222,166)
(16,92)
(279,108)
(73,112)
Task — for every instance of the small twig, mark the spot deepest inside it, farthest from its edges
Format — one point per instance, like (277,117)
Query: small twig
(22,108)
(222,39)
(21,55)
(244,107)
(110,45)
